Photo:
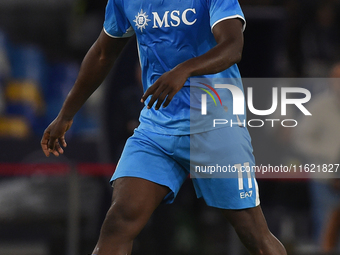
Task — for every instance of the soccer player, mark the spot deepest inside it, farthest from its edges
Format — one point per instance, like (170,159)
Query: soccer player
(177,39)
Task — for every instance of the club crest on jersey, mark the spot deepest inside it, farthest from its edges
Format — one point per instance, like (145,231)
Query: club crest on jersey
(141,20)
(169,19)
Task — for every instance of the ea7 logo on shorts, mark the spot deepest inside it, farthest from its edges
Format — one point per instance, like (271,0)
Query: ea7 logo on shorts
(246,194)
(169,19)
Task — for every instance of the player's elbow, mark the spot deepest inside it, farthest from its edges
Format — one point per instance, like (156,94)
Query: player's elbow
(228,60)
(234,58)
(101,55)
(234,52)
(238,49)
(106,59)
(237,57)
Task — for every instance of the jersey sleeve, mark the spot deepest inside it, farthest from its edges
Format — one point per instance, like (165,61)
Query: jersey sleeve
(224,9)
(116,23)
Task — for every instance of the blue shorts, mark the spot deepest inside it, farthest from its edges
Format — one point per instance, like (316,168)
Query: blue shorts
(169,159)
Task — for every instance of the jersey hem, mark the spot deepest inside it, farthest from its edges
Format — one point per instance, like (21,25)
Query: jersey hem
(127,34)
(110,34)
(230,17)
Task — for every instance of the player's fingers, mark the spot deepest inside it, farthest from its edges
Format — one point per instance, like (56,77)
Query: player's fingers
(51,143)
(168,99)
(63,141)
(44,142)
(54,149)
(159,102)
(155,96)
(45,150)
(161,98)
(55,153)
(149,92)
(58,148)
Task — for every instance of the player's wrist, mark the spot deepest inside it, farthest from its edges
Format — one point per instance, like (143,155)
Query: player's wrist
(185,69)
(65,116)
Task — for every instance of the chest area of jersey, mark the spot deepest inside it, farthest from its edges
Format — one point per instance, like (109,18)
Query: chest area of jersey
(165,15)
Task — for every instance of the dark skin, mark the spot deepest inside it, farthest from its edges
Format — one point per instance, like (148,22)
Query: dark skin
(95,66)
(135,199)
(100,59)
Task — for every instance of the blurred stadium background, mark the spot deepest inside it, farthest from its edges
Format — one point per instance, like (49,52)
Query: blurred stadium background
(56,205)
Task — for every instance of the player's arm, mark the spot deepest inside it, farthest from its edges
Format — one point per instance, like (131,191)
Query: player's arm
(94,68)
(228,51)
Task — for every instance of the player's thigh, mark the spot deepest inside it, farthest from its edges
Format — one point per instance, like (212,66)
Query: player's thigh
(133,202)
(136,198)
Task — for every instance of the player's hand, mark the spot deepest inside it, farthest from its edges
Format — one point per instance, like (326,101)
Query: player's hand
(164,89)
(54,137)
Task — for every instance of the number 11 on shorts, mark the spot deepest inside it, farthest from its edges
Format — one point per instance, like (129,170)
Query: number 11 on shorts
(240,170)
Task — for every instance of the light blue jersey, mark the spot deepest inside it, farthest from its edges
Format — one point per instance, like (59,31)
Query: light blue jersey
(173,141)
(170,32)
